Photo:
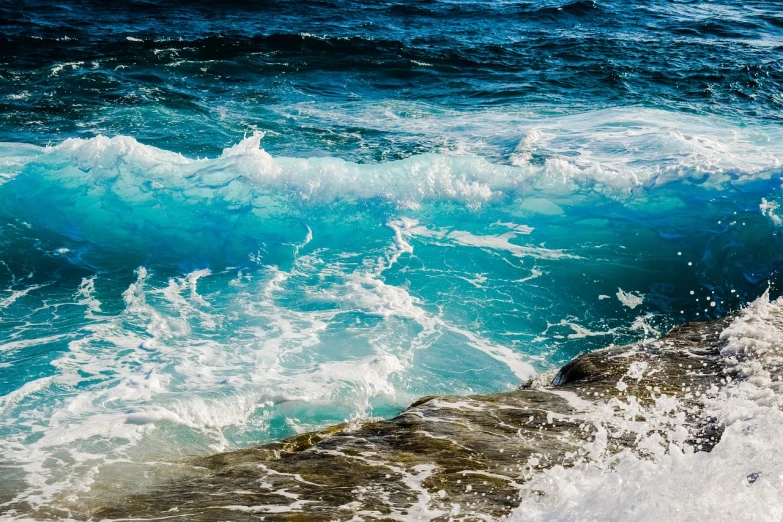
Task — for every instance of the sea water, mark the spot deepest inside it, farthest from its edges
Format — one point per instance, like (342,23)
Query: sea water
(225,225)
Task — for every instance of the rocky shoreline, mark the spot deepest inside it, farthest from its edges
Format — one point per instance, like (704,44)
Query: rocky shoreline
(462,458)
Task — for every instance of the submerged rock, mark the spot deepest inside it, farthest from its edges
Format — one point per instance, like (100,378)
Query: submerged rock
(460,457)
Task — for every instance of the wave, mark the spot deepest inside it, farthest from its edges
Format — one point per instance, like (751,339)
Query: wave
(119,191)
(609,152)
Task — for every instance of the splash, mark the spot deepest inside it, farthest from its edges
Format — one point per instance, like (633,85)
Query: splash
(664,476)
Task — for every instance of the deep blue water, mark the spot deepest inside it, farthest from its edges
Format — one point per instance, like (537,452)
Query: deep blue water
(329,77)
(221,225)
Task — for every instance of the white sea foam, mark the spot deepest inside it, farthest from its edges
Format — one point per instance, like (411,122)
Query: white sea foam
(769,208)
(666,149)
(366,294)
(740,479)
(7,301)
(159,363)
(20,393)
(407,227)
(611,148)
(630,299)
(86,295)
(503,242)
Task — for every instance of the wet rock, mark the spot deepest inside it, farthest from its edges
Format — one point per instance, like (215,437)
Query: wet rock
(456,457)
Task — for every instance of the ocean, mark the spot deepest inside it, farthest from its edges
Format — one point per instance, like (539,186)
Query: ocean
(223,224)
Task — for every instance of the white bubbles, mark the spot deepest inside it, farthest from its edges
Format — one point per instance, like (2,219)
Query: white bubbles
(723,484)
(691,147)
(630,299)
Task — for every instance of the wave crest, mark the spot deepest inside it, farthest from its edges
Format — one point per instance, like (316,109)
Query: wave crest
(120,191)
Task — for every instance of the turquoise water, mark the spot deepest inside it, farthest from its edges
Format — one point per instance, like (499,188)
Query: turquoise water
(198,254)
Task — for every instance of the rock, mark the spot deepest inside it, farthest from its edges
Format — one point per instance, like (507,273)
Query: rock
(456,457)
